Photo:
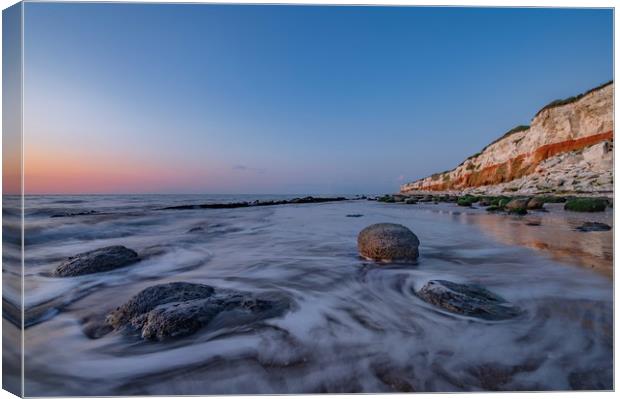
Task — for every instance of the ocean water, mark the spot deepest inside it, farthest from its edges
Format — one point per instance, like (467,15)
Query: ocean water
(355,326)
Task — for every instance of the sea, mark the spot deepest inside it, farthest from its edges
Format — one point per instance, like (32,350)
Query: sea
(354,325)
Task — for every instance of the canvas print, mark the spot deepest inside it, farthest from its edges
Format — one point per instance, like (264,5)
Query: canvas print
(283,199)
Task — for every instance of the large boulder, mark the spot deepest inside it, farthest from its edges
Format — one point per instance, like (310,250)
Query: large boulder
(518,206)
(468,300)
(151,297)
(585,205)
(535,203)
(388,242)
(180,309)
(98,260)
(518,203)
(466,200)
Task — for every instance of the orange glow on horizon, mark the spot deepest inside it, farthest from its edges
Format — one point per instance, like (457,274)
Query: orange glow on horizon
(83,174)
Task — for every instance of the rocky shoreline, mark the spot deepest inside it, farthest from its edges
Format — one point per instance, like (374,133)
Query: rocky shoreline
(245,204)
(517,204)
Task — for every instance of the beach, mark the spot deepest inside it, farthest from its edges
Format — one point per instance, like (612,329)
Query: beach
(352,325)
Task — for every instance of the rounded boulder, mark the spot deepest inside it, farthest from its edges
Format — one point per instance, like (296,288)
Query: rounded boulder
(388,242)
(97,261)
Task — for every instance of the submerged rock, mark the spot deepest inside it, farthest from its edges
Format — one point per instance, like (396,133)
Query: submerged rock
(245,204)
(70,214)
(98,260)
(468,300)
(388,242)
(593,226)
(180,309)
(355,215)
(484,202)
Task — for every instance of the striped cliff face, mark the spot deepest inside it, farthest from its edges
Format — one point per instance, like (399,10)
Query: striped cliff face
(525,155)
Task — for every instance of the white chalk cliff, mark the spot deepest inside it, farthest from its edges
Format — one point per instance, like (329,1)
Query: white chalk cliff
(567,149)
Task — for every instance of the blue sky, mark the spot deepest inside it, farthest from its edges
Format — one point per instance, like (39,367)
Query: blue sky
(287,99)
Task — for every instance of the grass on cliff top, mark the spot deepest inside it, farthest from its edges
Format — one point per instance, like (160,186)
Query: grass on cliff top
(572,99)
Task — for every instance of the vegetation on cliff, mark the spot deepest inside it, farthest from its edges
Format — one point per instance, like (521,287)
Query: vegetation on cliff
(572,99)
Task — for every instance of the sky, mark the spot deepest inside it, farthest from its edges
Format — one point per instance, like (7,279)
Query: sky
(182,98)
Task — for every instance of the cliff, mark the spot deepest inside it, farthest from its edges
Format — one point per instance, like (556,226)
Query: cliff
(568,148)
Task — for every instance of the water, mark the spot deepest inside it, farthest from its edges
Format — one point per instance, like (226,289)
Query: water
(355,326)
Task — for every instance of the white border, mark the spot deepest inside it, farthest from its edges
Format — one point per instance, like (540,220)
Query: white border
(475,3)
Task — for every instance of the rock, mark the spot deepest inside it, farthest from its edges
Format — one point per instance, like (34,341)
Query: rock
(496,200)
(535,203)
(70,214)
(518,211)
(151,297)
(245,204)
(388,242)
(465,201)
(98,260)
(94,329)
(518,206)
(585,205)
(484,202)
(386,198)
(502,202)
(180,309)
(355,215)
(411,201)
(468,300)
(593,226)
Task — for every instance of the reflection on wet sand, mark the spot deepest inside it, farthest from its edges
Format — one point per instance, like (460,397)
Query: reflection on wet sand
(554,232)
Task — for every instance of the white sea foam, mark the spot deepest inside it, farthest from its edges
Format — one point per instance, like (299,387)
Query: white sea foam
(355,325)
